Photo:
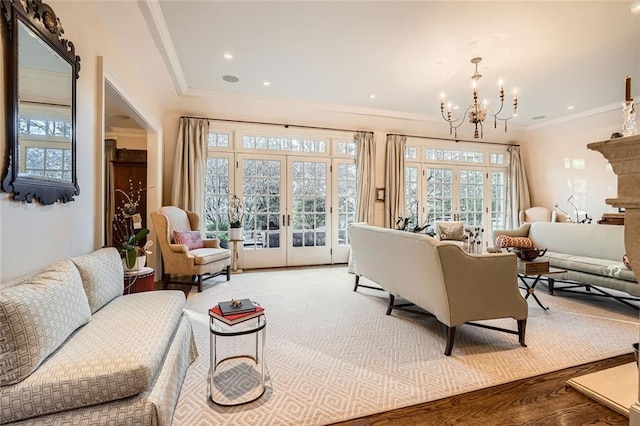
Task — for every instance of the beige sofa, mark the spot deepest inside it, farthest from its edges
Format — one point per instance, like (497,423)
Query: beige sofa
(74,350)
(591,254)
(442,279)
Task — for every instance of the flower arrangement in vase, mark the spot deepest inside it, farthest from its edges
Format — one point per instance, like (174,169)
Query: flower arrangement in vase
(235,213)
(128,231)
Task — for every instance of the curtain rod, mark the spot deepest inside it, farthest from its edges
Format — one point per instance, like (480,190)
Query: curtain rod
(451,139)
(286,126)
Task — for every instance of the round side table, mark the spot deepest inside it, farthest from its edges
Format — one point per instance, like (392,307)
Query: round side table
(237,364)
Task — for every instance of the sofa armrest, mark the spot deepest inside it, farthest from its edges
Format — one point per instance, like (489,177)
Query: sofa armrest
(178,248)
(482,286)
(523,231)
(211,243)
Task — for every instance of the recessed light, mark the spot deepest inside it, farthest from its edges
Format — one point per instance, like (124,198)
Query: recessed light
(570,107)
(635,8)
(539,117)
(230,78)
(266,83)
(228,56)
(372,96)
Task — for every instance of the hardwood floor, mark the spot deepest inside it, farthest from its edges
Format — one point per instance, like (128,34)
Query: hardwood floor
(540,400)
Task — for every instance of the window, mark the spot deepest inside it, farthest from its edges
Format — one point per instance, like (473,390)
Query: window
(216,197)
(346,148)
(454,155)
(218,140)
(45,147)
(346,200)
(284,144)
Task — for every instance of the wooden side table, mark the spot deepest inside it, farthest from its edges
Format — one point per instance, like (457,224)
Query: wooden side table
(234,257)
(139,281)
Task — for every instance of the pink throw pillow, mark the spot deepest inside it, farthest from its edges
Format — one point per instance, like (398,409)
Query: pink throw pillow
(191,239)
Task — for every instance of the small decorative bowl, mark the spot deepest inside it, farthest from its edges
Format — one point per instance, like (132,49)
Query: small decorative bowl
(528,254)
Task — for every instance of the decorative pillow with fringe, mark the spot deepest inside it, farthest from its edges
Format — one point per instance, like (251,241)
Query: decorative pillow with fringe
(504,241)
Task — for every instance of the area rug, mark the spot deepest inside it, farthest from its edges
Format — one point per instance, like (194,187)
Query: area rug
(332,354)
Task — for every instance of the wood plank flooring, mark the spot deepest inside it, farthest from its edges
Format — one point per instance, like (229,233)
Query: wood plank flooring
(540,400)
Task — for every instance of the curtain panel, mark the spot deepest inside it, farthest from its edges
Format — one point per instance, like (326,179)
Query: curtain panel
(366,177)
(394,201)
(187,191)
(517,188)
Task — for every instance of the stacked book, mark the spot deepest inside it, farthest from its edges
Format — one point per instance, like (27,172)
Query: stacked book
(236,311)
(533,268)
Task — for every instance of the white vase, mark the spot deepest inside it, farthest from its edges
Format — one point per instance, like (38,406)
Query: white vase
(141,261)
(235,234)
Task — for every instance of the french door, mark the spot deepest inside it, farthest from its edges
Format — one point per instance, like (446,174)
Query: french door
(287,200)
(456,193)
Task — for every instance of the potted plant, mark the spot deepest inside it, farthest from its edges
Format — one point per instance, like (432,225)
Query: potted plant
(235,212)
(129,233)
(134,256)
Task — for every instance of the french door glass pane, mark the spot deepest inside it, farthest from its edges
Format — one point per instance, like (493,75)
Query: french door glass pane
(471,197)
(498,197)
(346,200)
(216,198)
(439,190)
(261,192)
(309,195)
(411,194)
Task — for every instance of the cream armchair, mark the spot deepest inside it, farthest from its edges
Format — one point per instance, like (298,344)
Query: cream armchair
(537,214)
(177,259)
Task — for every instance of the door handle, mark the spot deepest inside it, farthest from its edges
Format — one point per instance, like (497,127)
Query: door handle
(282,220)
(288,220)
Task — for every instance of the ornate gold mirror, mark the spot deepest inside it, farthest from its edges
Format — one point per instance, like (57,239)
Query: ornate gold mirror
(42,69)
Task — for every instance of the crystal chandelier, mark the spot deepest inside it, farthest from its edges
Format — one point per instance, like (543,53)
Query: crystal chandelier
(478,111)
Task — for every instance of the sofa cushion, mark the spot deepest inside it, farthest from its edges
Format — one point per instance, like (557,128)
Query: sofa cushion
(450,231)
(505,241)
(102,276)
(37,314)
(208,255)
(590,265)
(117,355)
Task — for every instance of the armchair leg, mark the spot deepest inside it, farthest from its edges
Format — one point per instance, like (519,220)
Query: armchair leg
(355,287)
(228,272)
(451,335)
(199,283)
(165,279)
(522,328)
(390,307)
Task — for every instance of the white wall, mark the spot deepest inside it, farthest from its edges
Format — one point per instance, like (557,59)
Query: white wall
(554,157)
(31,235)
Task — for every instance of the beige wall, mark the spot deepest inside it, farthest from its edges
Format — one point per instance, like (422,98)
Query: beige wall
(559,165)
(33,235)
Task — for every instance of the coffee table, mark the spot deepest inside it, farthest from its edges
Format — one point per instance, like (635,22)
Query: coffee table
(536,279)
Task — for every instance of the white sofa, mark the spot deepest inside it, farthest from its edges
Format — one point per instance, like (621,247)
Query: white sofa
(74,350)
(591,254)
(442,279)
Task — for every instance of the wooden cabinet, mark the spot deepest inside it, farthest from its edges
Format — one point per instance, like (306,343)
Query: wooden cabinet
(130,177)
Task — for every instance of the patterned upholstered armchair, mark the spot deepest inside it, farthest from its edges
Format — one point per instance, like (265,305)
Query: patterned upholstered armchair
(184,252)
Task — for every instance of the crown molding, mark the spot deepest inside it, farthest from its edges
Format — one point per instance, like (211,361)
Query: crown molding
(125,132)
(157,25)
(583,114)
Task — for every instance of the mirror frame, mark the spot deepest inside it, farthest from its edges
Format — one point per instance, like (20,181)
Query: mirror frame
(42,21)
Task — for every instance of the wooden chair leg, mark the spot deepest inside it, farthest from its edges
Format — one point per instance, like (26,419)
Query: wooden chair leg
(228,272)
(390,307)
(522,328)
(355,287)
(451,335)
(551,282)
(199,283)
(165,278)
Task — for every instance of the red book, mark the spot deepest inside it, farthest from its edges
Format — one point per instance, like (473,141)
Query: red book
(235,318)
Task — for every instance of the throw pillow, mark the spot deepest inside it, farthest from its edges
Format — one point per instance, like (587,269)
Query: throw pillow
(504,241)
(101,273)
(625,260)
(191,239)
(451,231)
(37,314)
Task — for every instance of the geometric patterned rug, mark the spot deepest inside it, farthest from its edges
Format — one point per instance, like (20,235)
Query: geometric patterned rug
(332,354)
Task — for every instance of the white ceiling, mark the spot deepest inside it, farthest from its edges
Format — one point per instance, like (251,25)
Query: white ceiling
(558,54)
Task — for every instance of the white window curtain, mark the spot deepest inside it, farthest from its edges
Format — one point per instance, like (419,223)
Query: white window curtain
(517,188)
(366,177)
(187,191)
(394,200)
